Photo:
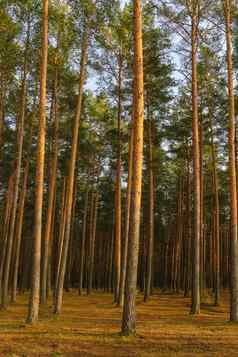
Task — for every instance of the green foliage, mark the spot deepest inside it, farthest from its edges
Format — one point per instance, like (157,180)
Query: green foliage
(167,95)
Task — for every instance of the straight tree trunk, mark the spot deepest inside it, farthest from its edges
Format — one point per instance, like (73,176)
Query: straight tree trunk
(51,250)
(127,219)
(71,176)
(118,190)
(20,138)
(82,254)
(70,258)
(34,301)
(129,314)
(110,273)
(61,231)
(6,223)
(20,218)
(2,110)
(202,243)
(90,243)
(2,97)
(188,232)
(150,241)
(52,189)
(195,307)
(93,237)
(215,189)
(232,167)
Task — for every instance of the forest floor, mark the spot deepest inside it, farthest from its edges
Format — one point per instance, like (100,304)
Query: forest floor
(90,326)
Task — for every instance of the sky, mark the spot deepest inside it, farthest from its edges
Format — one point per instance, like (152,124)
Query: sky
(92,82)
(123,2)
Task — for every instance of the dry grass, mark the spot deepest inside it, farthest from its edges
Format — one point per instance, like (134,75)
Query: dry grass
(90,326)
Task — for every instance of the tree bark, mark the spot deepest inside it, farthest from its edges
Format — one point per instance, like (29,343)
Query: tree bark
(117,248)
(92,241)
(188,232)
(71,176)
(232,167)
(20,217)
(215,188)
(82,254)
(33,310)
(6,222)
(52,189)
(127,219)
(150,239)
(195,307)
(20,138)
(61,232)
(129,314)
(202,243)
(2,111)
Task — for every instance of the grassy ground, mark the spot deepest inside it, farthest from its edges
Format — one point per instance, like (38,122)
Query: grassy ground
(89,327)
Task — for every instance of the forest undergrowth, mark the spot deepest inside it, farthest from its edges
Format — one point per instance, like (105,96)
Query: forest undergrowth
(89,326)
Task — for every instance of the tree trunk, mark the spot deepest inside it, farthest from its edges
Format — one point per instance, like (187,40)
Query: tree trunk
(2,109)
(129,315)
(20,138)
(127,219)
(52,189)
(61,232)
(82,254)
(232,167)
(92,245)
(202,243)
(215,188)
(117,248)
(150,241)
(195,308)
(33,311)
(188,232)
(20,218)
(6,222)
(71,176)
